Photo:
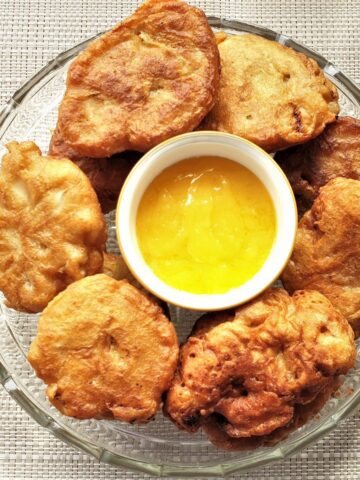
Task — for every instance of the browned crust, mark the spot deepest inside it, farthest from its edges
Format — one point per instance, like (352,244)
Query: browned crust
(253,372)
(327,249)
(105,350)
(153,76)
(335,153)
(270,94)
(214,426)
(107,175)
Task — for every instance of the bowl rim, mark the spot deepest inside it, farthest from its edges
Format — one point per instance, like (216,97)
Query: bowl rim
(27,402)
(193,301)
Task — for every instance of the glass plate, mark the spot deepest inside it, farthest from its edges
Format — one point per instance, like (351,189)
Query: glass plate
(157,448)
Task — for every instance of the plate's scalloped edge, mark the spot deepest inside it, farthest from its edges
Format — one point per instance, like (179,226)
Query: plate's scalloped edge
(14,388)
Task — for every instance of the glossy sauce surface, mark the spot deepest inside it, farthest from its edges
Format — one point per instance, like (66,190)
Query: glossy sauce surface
(206,225)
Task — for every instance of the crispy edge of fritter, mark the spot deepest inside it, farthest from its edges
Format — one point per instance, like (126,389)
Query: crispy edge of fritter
(40,351)
(107,175)
(275,142)
(332,154)
(24,153)
(144,140)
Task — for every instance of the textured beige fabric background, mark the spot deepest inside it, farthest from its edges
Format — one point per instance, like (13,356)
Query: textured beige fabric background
(31,33)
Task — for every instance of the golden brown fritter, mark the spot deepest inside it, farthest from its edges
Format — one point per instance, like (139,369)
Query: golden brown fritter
(270,94)
(52,231)
(326,255)
(215,426)
(106,175)
(153,76)
(246,371)
(105,351)
(335,153)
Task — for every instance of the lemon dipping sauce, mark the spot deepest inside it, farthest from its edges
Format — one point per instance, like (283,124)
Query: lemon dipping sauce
(205,225)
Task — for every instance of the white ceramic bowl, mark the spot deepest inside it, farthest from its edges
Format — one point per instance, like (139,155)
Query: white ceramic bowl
(193,145)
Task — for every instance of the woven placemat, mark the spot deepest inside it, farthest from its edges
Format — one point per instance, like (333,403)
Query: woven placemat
(32,32)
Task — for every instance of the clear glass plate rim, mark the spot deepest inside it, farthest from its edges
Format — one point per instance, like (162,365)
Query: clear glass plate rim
(15,388)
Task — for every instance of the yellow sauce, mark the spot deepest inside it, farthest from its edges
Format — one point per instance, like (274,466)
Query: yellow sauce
(206,225)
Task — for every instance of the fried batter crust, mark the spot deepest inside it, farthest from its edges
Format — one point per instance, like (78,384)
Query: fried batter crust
(326,256)
(335,153)
(153,76)
(247,370)
(106,175)
(215,426)
(52,231)
(115,267)
(105,351)
(270,94)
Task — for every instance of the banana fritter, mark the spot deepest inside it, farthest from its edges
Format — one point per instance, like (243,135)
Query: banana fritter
(270,94)
(326,256)
(153,76)
(247,371)
(106,175)
(52,231)
(335,153)
(105,351)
